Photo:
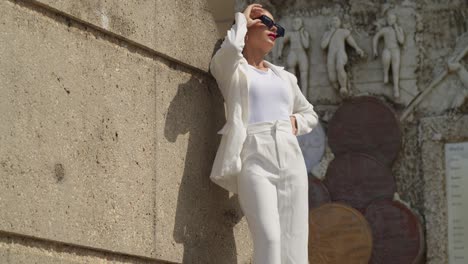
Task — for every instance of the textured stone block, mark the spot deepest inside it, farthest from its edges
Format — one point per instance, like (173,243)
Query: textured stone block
(183,30)
(77,161)
(108,146)
(194,216)
(22,250)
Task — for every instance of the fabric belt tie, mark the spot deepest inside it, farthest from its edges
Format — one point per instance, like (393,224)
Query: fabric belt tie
(273,127)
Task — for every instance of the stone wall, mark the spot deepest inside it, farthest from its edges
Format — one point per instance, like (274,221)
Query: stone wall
(108,133)
(109,120)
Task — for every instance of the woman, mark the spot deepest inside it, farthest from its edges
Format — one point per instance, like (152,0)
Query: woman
(259,156)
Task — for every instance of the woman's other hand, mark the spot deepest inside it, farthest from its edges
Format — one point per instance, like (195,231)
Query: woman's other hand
(293,124)
(252,11)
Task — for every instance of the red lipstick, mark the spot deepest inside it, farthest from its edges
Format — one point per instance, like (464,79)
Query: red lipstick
(272,36)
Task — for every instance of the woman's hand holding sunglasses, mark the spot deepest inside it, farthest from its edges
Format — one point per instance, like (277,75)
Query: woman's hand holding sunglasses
(253,11)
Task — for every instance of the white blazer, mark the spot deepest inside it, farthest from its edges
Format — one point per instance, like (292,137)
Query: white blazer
(229,67)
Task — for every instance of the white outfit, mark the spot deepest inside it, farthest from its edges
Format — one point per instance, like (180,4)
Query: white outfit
(262,161)
(229,67)
(268,96)
(272,185)
(273,193)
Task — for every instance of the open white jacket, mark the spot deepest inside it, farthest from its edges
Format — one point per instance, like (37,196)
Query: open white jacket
(229,67)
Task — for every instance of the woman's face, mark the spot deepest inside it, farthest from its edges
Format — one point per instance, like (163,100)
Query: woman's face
(260,37)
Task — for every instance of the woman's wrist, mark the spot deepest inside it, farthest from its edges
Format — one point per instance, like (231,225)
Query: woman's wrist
(293,123)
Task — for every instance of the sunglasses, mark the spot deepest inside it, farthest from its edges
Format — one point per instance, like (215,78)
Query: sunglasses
(270,23)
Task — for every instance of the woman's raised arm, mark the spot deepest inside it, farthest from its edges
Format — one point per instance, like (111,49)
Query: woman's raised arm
(226,59)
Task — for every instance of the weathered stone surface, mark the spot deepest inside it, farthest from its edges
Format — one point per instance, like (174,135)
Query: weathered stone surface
(223,14)
(22,250)
(434,132)
(78,145)
(106,146)
(195,216)
(182,30)
(407,169)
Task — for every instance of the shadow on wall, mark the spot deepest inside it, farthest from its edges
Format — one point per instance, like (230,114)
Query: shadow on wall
(205,215)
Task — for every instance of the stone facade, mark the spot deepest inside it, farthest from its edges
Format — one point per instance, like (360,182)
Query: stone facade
(109,120)
(108,133)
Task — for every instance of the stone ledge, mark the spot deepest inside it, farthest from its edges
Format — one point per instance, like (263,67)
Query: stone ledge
(16,249)
(188,37)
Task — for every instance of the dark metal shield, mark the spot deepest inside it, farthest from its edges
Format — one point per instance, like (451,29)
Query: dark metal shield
(318,193)
(365,124)
(357,179)
(338,234)
(397,233)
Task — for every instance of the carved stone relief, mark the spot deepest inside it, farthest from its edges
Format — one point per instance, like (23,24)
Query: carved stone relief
(334,41)
(448,89)
(417,58)
(391,71)
(412,47)
(299,40)
(393,37)
(328,58)
(456,67)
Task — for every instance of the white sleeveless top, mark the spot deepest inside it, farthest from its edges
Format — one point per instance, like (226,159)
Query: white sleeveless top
(268,96)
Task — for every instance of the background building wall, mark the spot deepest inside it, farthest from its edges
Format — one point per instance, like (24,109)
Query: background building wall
(436,34)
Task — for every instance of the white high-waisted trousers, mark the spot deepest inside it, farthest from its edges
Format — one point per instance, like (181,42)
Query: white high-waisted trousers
(273,193)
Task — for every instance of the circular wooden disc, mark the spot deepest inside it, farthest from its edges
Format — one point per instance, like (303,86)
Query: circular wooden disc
(318,193)
(397,233)
(367,125)
(338,234)
(312,146)
(357,179)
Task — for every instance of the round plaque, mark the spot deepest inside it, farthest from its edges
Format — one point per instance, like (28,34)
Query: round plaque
(318,193)
(397,233)
(367,125)
(357,179)
(312,146)
(338,234)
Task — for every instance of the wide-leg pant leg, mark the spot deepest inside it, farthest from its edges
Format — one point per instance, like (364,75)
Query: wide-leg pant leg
(257,194)
(293,207)
(273,194)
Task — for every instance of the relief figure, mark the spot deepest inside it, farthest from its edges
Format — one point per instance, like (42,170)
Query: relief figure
(335,40)
(299,41)
(393,37)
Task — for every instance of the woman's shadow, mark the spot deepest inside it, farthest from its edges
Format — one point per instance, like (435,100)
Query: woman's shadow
(205,214)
